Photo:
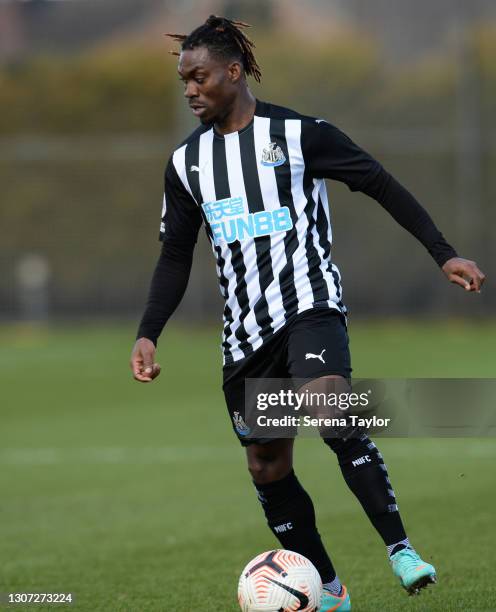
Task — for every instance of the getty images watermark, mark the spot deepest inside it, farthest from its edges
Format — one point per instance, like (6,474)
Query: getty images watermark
(331,407)
(328,410)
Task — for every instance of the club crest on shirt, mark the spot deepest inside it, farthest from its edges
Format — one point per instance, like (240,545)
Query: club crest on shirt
(240,426)
(273,155)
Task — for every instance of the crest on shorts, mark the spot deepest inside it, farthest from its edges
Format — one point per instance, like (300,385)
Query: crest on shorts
(239,425)
(273,155)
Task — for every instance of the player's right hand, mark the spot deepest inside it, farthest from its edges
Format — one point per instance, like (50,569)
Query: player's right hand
(142,361)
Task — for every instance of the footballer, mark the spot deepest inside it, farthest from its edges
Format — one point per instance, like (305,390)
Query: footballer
(253,174)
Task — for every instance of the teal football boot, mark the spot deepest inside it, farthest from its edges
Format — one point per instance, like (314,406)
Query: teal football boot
(335,603)
(414,574)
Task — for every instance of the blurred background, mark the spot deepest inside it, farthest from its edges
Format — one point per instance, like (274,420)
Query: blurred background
(90,109)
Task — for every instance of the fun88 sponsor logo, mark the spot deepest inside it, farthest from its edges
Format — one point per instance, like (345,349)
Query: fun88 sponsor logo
(230,221)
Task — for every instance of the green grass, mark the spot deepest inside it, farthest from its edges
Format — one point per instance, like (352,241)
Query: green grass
(136,497)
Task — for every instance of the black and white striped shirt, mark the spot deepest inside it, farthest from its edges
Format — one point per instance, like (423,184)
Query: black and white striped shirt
(261,195)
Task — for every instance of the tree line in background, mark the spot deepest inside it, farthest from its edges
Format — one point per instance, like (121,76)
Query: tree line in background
(125,88)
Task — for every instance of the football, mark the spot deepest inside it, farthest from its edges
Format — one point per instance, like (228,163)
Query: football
(279,581)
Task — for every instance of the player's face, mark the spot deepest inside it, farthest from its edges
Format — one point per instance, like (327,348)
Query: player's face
(210,84)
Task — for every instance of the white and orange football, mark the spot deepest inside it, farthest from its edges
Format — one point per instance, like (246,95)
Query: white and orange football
(279,581)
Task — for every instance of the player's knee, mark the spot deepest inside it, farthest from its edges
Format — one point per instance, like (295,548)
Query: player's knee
(270,462)
(313,393)
(331,383)
(268,469)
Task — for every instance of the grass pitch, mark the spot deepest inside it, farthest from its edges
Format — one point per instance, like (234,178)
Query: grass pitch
(136,497)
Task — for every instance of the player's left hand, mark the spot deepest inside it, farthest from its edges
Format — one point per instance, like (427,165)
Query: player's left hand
(142,361)
(465,273)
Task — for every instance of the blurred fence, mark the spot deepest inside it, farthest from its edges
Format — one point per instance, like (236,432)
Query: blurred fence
(87,201)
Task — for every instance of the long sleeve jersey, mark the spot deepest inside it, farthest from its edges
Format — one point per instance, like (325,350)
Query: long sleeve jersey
(261,194)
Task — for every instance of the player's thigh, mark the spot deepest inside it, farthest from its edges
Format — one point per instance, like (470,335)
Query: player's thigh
(318,346)
(265,363)
(319,364)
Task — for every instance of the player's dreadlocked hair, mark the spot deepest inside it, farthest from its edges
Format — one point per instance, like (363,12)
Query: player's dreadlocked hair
(223,38)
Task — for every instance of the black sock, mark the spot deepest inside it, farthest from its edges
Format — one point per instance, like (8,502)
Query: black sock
(290,515)
(366,475)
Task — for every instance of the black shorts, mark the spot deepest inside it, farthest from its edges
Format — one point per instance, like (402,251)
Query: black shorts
(320,332)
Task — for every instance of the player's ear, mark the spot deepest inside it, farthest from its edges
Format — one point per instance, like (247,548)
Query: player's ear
(235,71)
